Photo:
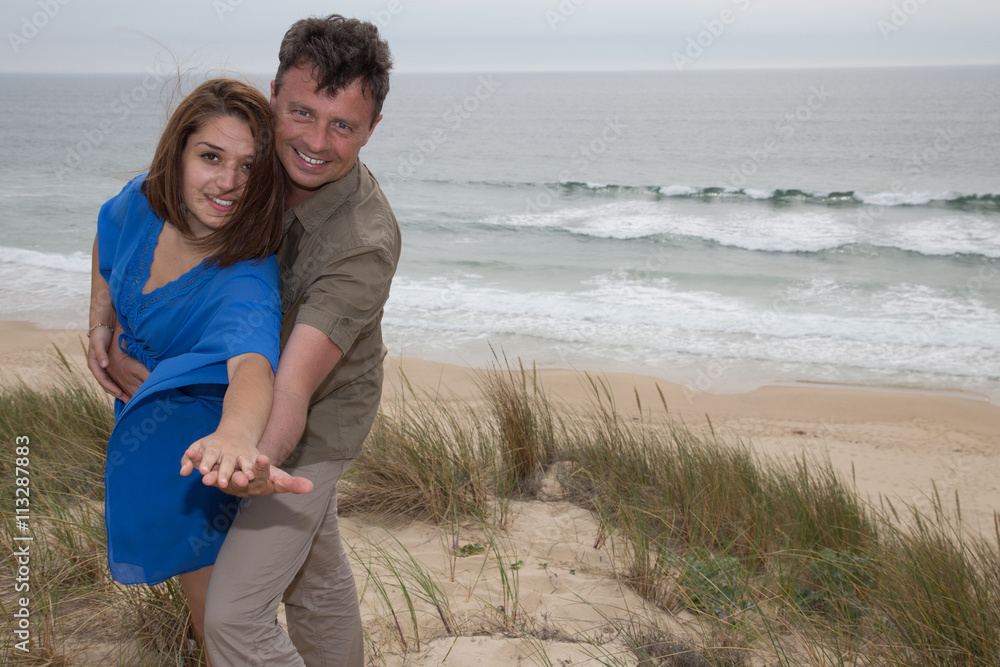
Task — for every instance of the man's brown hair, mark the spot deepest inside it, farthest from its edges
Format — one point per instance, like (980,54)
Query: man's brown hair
(341,51)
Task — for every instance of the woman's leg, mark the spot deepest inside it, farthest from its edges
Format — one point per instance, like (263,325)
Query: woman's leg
(195,585)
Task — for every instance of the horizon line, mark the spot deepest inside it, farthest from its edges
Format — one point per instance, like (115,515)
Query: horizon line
(657,69)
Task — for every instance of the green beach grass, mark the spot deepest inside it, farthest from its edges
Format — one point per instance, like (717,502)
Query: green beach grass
(768,561)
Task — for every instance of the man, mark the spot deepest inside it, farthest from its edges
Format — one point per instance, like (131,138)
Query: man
(337,259)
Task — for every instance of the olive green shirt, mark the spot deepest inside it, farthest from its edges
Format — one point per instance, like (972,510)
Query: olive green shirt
(337,259)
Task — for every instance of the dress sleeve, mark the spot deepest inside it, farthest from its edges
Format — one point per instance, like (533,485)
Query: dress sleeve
(247,315)
(110,226)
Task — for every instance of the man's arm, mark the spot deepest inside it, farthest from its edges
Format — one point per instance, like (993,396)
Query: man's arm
(307,358)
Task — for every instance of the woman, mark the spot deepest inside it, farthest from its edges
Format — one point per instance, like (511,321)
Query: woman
(184,260)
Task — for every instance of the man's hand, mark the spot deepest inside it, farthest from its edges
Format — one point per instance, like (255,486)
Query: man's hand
(99,344)
(125,372)
(267,480)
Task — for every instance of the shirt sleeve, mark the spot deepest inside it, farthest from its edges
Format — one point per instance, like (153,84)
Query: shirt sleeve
(347,297)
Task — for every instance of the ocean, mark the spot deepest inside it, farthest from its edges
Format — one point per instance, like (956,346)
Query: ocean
(719,229)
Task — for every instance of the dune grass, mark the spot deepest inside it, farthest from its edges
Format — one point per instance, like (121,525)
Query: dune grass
(939,588)
(74,602)
(781,561)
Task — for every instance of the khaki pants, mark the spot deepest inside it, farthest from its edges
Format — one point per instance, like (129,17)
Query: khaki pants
(286,547)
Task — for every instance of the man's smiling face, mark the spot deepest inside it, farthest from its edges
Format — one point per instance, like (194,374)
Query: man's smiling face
(317,136)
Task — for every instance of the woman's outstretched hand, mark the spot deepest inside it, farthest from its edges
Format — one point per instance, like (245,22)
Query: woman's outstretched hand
(263,478)
(217,456)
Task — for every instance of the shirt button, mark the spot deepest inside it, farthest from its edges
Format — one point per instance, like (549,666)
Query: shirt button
(344,321)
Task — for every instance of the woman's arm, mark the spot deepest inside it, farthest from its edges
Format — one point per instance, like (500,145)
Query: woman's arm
(245,410)
(118,374)
(306,359)
(102,325)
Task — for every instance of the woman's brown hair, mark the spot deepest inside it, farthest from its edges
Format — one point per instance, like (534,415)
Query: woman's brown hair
(253,230)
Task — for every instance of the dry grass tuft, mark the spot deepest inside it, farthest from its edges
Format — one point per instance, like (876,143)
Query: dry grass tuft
(65,428)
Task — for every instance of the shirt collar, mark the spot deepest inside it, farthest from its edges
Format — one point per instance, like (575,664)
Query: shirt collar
(316,210)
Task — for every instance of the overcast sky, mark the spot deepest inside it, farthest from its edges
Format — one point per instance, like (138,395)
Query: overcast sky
(514,35)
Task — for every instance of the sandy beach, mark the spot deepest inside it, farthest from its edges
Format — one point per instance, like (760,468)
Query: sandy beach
(896,444)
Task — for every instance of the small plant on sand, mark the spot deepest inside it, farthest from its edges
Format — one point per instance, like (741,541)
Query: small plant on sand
(712,584)
(471,549)
(648,643)
(834,583)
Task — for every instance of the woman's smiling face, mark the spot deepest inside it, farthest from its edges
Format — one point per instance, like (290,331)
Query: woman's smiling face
(214,168)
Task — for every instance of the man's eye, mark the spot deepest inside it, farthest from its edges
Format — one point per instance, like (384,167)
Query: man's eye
(301,113)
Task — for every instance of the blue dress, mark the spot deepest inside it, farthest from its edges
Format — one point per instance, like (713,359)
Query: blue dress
(160,524)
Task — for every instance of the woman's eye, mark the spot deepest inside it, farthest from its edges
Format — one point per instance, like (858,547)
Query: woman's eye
(247,166)
(210,156)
